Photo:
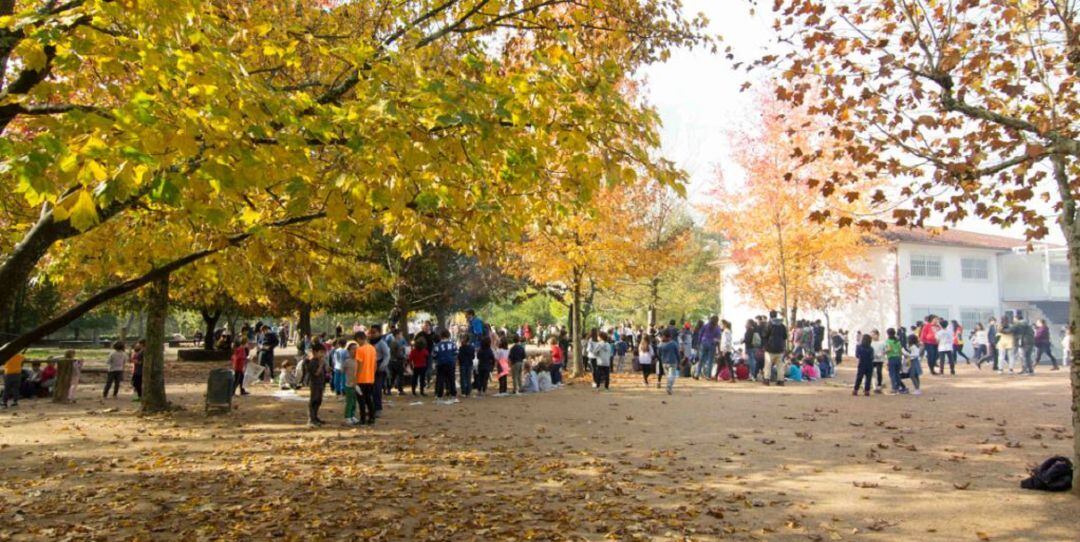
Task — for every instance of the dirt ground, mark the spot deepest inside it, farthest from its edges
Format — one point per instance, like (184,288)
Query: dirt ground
(713,461)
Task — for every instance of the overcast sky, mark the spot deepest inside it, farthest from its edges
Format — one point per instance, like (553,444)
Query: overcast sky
(697,96)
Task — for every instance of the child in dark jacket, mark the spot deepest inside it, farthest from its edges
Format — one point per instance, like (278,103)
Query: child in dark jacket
(485,362)
(865,354)
(465,355)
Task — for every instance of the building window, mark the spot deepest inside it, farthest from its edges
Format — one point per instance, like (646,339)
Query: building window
(1059,272)
(926,266)
(969,316)
(975,268)
(920,312)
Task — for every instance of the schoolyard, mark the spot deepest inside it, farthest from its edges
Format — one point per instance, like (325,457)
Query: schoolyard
(713,461)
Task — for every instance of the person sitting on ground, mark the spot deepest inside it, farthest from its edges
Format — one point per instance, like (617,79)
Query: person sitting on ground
(809,370)
(30,381)
(795,371)
(287,379)
(530,384)
(742,370)
(543,376)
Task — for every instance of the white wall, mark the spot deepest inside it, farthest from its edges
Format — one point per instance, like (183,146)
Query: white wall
(1026,277)
(951,291)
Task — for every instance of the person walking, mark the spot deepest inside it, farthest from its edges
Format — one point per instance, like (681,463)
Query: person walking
(669,356)
(115,366)
(517,361)
(992,338)
(775,340)
(445,355)
(645,359)
(1042,343)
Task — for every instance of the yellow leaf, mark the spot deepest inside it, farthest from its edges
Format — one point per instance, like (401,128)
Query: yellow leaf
(83,211)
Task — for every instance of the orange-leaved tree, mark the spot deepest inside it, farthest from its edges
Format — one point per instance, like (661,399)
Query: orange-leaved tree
(784,260)
(597,246)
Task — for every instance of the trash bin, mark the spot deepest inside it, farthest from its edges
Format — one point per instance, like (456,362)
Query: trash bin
(219,388)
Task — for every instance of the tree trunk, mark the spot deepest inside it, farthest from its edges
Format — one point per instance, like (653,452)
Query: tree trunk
(211,320)
(576,367)
(303,324)
(62,389)
(654,296)
(153,392)
(1070,226)
(1073,238)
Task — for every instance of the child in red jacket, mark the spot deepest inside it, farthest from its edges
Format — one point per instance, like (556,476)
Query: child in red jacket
(239,363)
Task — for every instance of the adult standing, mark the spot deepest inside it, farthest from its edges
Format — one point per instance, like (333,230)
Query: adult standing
(1042,343)
(267,342)
(603,362)
(476,328)
(382,364)
(1025,342)
(752,344)
(776,335)
(928,338)
(710,333)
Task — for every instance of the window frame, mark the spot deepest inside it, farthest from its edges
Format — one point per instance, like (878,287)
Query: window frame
(985,269)
(1058,265)
(924,259)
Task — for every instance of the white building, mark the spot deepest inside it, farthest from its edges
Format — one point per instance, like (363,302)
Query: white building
(953,274)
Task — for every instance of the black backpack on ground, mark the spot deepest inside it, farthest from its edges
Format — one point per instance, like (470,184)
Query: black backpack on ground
(1054,474)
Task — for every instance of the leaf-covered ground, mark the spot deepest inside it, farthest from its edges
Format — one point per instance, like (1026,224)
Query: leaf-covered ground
(714,461)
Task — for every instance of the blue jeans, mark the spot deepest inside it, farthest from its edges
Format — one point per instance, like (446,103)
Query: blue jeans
(337,382)
(672,370)
(465,378)
(708,352)
(751,361)
(894,374)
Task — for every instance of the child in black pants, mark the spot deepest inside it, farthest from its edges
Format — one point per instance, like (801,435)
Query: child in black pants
(865,354)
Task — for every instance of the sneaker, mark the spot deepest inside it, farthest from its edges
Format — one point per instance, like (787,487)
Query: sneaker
(867,393)
(855,393)
(917,392)
(455,400)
